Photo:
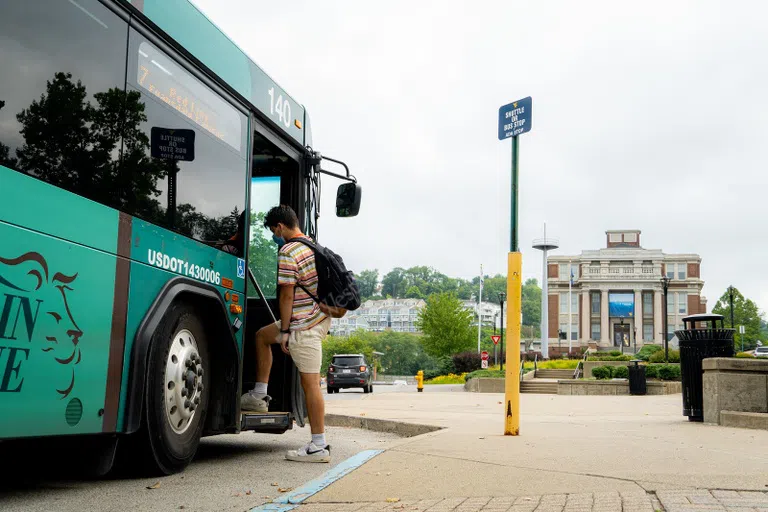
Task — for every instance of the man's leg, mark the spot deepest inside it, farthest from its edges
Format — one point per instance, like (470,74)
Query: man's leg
(315,403)
(257,399)
(265,338)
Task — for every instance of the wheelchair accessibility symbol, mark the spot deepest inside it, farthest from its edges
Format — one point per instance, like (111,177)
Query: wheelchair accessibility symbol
(241,268)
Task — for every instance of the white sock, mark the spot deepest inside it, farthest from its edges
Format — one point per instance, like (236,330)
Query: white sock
(319,440)
(259,389)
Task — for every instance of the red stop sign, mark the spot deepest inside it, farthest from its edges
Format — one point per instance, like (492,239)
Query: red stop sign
(484,355)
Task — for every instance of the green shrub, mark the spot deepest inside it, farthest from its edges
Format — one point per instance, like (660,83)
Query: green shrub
(647,351)
(658,357)
(485,374)
(602,372)
(652,371)
(669,372)
(603,357)
(431,374)
(466,362)
(745,355)
(445,366)
(615,352)
(620,372)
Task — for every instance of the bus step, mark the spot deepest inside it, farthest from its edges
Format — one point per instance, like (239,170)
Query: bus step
(277,422)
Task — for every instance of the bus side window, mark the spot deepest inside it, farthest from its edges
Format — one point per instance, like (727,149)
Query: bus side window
(262,251)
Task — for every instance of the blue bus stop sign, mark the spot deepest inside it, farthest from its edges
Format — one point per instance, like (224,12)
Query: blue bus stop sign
(515,118)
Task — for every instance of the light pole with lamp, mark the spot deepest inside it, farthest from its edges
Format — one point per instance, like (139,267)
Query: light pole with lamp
(665,319)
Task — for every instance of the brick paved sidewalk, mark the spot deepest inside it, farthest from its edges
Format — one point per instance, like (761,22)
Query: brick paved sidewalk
(667,501)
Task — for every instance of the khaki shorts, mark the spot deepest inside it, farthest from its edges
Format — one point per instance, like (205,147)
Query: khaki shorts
(306,347)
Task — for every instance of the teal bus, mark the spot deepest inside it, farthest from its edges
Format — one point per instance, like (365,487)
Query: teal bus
(139,151)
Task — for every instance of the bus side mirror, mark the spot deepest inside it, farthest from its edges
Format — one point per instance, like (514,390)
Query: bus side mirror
(348,200)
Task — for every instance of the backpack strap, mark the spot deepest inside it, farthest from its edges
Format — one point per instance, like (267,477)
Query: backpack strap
(314,250)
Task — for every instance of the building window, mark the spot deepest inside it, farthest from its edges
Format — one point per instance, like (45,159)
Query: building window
(563,302)
(596,331)
(682,303)
(670,303)
(647,332)
(681,270)
(614,237)
(595,300)
(630,237)
(574,334)
(647,304)
(563,271)
(671,270)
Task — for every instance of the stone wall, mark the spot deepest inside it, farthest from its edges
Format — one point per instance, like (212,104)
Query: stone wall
(614,387)
(736,385)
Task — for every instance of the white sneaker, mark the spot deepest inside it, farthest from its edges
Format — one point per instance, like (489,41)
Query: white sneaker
(254,403)
(310,453)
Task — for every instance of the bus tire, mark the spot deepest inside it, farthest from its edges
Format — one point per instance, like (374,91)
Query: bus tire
(178,374)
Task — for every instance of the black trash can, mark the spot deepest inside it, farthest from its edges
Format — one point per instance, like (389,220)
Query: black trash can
(701,339)
(637,383)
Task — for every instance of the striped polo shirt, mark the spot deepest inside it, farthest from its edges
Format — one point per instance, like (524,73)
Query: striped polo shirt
(296,265)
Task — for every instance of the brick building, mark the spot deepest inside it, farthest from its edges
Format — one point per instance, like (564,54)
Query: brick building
(617,293)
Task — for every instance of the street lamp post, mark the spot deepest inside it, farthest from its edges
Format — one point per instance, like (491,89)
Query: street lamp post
(665,285)
(502,296)
(730,300)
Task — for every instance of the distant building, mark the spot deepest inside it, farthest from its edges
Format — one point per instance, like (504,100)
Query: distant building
(490,312)
(617,293)
(398,315)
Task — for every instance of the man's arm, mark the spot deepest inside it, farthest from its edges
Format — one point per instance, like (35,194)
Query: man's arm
(286,305)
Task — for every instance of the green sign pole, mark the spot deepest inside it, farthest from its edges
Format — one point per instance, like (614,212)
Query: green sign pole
(513,220)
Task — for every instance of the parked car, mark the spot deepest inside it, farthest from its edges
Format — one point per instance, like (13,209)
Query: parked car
(349,371)
(761,352)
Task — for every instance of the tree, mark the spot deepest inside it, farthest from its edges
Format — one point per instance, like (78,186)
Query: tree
(403,353)
(393,283)
(531,303)
(745,312)
(262,256)
(413,293)
(493,286)
(446,325)
(367,281)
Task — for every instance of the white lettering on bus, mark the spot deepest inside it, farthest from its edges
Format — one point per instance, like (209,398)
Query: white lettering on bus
(178,265)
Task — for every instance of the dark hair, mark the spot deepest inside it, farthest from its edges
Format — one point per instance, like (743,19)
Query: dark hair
(281,214)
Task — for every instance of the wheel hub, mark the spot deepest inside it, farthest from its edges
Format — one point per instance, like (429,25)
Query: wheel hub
(183,381)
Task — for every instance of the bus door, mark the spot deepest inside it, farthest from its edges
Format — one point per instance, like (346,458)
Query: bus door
(275,179)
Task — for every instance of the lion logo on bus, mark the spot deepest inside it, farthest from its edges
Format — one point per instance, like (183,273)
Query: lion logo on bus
(29,296)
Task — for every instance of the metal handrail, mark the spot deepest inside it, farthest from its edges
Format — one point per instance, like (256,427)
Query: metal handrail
(522,365)
(580,366)
(535,364)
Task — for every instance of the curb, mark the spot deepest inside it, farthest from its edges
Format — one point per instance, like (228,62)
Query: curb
(399,428)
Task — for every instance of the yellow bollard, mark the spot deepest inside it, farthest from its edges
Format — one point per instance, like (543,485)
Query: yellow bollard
(512,374)
(420,381)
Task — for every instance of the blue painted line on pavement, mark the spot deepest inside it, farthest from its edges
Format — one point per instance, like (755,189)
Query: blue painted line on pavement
(312,487)
(273,507)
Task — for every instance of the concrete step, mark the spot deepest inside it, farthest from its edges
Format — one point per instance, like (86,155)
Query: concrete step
(756,420)
(531,386)
(554,374)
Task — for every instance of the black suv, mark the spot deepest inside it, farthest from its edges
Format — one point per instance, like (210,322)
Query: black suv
(349,371)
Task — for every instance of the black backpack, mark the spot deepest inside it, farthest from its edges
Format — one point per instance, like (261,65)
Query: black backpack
(336,286)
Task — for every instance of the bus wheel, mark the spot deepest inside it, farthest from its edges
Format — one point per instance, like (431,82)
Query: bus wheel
(177,389)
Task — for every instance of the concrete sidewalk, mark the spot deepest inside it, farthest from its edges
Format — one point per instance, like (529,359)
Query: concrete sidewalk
(589,452)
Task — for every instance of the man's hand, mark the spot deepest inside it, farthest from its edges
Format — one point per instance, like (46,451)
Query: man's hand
(332,311)
(284,337)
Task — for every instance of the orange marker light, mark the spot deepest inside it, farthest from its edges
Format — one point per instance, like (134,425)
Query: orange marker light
(235,309)
(227,283)
(235,298)
(297,123)
(226,296)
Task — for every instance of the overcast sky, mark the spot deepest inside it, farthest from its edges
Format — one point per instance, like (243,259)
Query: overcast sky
(646,115)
